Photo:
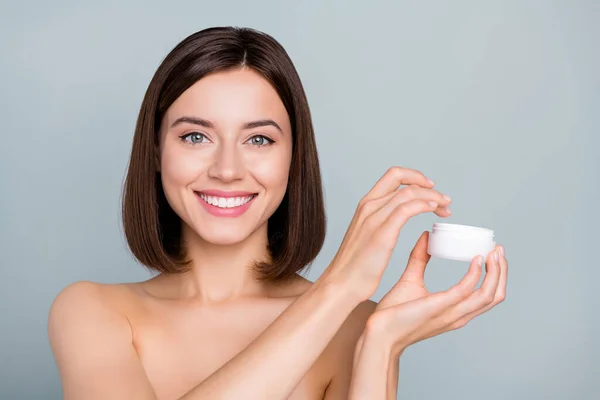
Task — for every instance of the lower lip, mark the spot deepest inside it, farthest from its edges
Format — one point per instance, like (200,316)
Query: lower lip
(225,212)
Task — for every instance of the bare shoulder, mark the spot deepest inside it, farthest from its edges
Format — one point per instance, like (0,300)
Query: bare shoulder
(91,340)
(78,298)
(81,306)
(74,299)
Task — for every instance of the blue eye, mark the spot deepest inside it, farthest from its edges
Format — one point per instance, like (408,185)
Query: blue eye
(260,140)
(193,137)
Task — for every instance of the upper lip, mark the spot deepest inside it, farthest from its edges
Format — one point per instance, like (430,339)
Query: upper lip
(226,194)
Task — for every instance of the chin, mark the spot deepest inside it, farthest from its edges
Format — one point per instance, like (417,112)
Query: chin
(222,235)
(223,238)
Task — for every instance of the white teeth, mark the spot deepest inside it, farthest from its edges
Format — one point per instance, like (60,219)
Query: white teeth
(226,202)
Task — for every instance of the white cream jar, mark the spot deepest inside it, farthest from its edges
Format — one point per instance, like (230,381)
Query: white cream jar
(460,242)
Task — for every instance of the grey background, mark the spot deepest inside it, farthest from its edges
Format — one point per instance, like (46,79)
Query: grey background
(496,101)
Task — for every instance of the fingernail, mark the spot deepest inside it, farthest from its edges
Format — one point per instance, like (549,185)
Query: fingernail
(502,251)
(496,255)
(448,210)
(433,204)
(447,198)
(430,181)
(479,260)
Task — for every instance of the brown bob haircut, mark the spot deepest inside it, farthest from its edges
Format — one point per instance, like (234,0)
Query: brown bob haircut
(296,230)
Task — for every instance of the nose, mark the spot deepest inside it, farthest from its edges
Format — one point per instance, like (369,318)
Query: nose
(227,164)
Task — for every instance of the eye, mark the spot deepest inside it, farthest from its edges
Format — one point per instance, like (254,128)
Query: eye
(193,137)
(260,140)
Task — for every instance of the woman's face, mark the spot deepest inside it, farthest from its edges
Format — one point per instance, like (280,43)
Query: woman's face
(225,152)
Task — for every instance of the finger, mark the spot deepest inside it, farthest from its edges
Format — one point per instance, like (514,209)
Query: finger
(393,178)
(390,229)
(436,305)
(486,293)
(465,287)
(484,298)
(500,290)
(385,205)
(413,192)
(439,303)
(443,211)
(499,297)
(417,261)
(501,293)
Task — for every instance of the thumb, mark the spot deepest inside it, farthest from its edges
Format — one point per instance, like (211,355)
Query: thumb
(417,261)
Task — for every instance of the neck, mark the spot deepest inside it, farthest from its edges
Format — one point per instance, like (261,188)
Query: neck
(222,273)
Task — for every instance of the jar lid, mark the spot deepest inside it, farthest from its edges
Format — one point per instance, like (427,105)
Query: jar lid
(465,229)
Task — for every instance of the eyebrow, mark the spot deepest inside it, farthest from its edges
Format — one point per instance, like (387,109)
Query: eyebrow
(210,125)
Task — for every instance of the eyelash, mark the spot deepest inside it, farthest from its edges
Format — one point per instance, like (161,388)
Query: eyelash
(185,136)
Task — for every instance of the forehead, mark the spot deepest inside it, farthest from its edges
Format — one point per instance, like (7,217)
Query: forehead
(230,98)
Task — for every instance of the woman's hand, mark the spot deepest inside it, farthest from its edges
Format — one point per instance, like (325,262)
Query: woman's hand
(373,232)
(408,313)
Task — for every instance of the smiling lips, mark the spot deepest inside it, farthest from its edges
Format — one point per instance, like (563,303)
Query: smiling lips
(225,204)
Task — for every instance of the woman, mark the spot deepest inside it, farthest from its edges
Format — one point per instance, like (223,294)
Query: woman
(223,199)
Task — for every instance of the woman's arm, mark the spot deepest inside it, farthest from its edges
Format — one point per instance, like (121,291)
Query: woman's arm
(392,368)
(372,372)
(273,365)
(366,364)
(96,358)
(392,379)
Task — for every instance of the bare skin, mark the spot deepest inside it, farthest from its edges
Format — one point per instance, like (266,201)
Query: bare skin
(180,342)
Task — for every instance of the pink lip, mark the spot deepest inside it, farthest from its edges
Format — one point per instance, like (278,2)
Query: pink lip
(222,193)
(225,212)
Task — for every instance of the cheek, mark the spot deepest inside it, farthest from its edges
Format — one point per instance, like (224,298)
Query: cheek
(179,169)
(272,172)
(276,180)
